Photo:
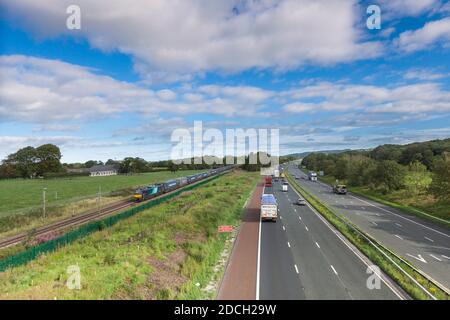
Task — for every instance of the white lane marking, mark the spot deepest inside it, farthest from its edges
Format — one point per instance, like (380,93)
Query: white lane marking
(399,237)
(317,245)
(441,233)
(296,269)
(445,257)
(398,225)
(344,241)
(284,228)
(259,260)
(295,209)
(306,228)
(431,240)
(300,218)
(281,217)
(334,270)
(419,257)
(375,224)
(435,257)
(289,245)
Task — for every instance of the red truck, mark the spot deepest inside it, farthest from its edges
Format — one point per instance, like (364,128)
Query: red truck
(268,182)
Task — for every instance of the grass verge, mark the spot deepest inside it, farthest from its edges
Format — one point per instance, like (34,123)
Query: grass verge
(166,252)
(373,250)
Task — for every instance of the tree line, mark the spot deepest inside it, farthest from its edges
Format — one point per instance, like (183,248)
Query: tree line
(417,167)
(45,161)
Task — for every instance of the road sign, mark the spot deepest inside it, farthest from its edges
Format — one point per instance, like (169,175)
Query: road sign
(225,229)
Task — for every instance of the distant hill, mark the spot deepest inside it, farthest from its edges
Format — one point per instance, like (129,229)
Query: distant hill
(307,153)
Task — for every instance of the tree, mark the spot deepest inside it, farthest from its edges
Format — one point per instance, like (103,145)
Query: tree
(172,167)
(48,159)
(7,171)
(417,178)
(24,161)
(341,171)
(91,163)
(133,165)
(390,174)
(440,187)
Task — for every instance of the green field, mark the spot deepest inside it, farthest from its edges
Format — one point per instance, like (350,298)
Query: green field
(20,194)
(166,252)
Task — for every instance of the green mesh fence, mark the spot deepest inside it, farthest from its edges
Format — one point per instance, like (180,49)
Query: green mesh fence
(84,230)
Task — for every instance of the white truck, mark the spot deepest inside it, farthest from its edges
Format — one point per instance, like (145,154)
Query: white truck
(312,176)
(276,173)
(284,187)
(269,207)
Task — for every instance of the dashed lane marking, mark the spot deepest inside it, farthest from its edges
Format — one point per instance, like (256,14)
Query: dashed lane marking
(334,270)
(435,257)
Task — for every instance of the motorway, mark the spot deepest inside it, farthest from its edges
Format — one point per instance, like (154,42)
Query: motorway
(302,257)
(423,243)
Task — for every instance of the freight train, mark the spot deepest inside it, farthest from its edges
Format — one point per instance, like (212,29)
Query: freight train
(154,190)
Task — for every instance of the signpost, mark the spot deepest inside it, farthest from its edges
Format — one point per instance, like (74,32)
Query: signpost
(223,229)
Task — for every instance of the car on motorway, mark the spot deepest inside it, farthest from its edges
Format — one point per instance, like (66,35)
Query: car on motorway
(301,202)
(340,189)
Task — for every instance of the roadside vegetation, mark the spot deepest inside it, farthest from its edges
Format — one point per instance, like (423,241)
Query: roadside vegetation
(378,254)
(414,178)
(166,252)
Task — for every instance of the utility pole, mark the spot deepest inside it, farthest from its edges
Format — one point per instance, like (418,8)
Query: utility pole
(99,198)
(43,201)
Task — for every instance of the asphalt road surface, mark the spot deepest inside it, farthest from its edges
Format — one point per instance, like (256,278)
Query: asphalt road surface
(301,257)
(423,243)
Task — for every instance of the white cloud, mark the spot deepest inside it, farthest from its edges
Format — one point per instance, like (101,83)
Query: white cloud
(171,39)
(413,98)
(403,8)
(424,74)
(10,144)
(166,94)
(39,90)
(433,32)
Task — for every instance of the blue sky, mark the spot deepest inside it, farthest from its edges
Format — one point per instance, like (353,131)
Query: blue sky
(132,74)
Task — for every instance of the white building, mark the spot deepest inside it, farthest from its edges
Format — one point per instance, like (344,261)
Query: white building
(102,171)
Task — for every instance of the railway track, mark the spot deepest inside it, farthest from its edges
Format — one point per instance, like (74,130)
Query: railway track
(68,222)
(81,219)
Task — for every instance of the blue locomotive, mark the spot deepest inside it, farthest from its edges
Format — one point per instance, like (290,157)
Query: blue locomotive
(154,190)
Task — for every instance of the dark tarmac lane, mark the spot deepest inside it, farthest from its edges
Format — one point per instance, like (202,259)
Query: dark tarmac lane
(301,257)
(421,242)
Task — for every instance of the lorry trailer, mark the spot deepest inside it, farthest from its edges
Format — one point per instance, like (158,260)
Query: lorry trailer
(269,207)
(268,182)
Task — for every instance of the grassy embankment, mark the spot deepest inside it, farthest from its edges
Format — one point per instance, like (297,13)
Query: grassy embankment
(21,200)
(161,253)
(354,235)
(422,205)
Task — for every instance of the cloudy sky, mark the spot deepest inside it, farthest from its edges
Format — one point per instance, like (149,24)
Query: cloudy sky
(137,70)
